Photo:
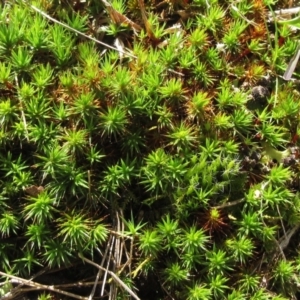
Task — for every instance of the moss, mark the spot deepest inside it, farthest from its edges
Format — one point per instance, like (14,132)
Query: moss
(154,142)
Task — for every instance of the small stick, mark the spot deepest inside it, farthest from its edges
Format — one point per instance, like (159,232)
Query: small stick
(285,240)
(117,244)
(282,225)
(39,286)
(242,16)
(108,262)
(232,203)
(116,256)
(76,31)
(109,247)
(100,271)
(113,275)
(18,289)
(76,284)
(89,37)
(288,11)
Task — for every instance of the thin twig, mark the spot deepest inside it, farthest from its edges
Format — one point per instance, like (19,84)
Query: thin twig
(128,255)
(242,16)
(282,225)
(139,267)
(128,262)
(76,31)
(232,203)
(100,271)
(286,12)
(114,276)
(18,289)
(59,286)
(108,262)
(76,284)
(285,240)
(117,244)
(117,254)
(89,37)
(122,230)
(39,286)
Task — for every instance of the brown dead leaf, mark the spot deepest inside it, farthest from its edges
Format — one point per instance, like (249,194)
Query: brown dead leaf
(119,18)
(34,190)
